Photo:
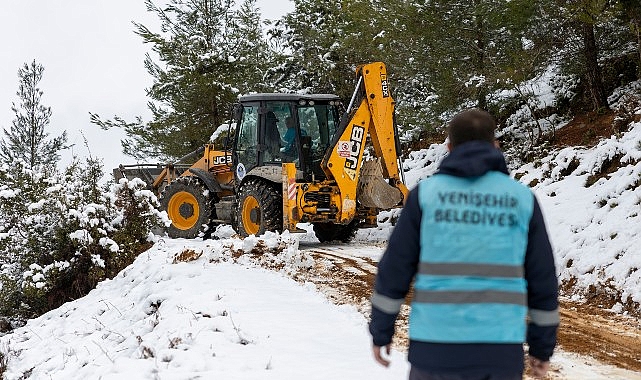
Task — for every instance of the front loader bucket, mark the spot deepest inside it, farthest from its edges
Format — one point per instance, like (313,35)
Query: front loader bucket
(146,172)
(373,190)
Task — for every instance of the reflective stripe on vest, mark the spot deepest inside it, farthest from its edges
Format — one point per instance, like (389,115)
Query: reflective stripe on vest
(544,317)
(386,304)
(470,285)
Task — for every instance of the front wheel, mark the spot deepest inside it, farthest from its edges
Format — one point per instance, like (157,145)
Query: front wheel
(188,206)
(259,208)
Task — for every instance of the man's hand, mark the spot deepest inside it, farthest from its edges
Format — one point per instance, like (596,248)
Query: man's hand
(378,355)
(539,367)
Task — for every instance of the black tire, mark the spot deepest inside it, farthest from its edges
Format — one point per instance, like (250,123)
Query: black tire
(259,208)
(188,206)
(326,232)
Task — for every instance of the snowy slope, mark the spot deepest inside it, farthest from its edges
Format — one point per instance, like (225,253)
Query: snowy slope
(190,309)
(594,229)
(162,318)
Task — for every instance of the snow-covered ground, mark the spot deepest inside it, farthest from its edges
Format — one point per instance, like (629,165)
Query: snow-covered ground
(217,317)
(219,309)
(594,227)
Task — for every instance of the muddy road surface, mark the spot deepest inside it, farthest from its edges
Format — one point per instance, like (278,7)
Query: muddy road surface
(593,343)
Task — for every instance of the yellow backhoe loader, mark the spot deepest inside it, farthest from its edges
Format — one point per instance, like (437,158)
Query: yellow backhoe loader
(291,159)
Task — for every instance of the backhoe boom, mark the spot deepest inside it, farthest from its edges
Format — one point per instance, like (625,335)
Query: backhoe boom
(373,115)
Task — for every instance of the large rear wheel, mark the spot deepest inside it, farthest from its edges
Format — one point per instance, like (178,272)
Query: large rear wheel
(326,232)
(188,206)
(259,209)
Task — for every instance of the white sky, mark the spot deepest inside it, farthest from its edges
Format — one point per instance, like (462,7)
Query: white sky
(93,63)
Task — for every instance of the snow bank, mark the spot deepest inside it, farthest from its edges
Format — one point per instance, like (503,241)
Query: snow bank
(188,308)
(591,199)
(592,203)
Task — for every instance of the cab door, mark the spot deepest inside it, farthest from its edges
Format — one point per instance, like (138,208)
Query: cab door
(247,144)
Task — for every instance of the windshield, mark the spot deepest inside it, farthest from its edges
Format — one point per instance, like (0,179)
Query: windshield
(318,122)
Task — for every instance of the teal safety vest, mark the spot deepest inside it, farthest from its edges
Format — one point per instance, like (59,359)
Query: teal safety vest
(470,285)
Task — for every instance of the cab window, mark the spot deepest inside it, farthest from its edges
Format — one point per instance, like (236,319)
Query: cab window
(248,136)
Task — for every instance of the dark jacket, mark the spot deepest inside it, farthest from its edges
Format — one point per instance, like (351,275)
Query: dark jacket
(398,267)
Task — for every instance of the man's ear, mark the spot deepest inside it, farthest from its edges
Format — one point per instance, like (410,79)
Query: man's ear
(449,146)
(497,145)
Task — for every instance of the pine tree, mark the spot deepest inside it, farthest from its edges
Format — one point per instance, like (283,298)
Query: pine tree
(400,38)
(208,54)
(27,140)
(253,52)
(440,54)
(592,38)
(588,14)
(314,57)
(61,232)
(631,13)
(471,47)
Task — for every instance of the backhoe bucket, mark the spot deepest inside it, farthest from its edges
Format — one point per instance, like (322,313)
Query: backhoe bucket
(373,190)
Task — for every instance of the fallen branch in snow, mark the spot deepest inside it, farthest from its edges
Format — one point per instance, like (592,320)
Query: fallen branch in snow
(186,255)
(175,341)
(5,351)
(97,320)
(108,330)
(242,341)
(112,305)
(34,333)
(147,352)
(103,351)
(269,364)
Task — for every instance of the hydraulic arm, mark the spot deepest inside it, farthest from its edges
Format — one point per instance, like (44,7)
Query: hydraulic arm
(371,111)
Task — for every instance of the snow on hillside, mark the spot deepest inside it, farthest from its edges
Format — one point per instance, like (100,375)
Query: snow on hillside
(592,203)
(591,198)
(205,311)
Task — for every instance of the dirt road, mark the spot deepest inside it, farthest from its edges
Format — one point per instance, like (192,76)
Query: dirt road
(594,343)
(603,335)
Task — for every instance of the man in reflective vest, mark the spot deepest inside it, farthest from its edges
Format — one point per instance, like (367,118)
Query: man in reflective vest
(475,243)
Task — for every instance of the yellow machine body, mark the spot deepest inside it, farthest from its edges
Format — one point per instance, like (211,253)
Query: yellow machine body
(216,188)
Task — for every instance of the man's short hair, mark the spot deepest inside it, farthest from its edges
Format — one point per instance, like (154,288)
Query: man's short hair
(471,125)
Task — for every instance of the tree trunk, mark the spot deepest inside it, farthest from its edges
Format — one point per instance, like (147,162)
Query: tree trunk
(481,91)
(595,88)
(637,27)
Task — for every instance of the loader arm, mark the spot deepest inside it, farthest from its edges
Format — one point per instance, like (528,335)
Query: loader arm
(373,115)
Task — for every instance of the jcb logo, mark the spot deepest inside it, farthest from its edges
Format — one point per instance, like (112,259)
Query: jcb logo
(220,160)
(384,86)
(358,133)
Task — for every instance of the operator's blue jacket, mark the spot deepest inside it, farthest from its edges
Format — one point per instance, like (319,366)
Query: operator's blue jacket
(475,244)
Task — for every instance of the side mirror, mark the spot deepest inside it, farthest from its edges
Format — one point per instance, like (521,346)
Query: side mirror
(238,112)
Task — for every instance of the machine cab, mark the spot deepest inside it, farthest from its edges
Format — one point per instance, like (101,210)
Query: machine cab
(277,128)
